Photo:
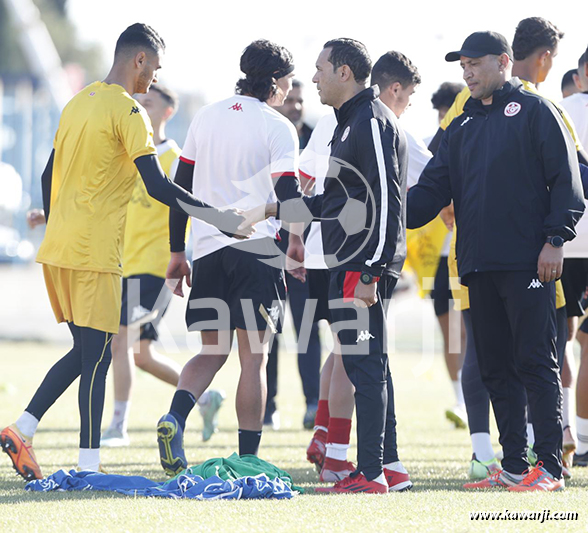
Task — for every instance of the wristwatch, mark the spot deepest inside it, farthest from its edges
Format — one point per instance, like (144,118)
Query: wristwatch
(367,279)
(556,241)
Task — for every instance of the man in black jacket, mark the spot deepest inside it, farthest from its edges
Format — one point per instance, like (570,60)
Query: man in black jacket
(510,167)
(363,226)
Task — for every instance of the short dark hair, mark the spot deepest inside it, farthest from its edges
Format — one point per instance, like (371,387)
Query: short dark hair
(533,33)
(445,95)
(169,96)
(394,67)
(582,60)
(297,84)
(568,78)
(351,53)
(139,35)
(262,62)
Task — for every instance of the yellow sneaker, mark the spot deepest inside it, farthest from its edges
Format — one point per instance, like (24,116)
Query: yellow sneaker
(20,450)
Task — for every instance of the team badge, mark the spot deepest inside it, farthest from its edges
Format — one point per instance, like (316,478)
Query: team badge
(512,109)
(345,133)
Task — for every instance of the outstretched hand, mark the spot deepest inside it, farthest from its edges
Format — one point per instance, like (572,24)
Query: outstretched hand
(252,217)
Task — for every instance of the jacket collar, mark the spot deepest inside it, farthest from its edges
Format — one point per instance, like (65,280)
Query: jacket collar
(498,97)
(348,108)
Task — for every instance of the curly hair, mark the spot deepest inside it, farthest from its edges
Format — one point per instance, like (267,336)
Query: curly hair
(263,62)
(445,95)
(533,33)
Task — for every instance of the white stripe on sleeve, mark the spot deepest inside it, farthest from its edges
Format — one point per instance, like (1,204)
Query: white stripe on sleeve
(383,190)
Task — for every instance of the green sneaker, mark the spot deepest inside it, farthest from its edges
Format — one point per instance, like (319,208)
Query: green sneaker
(483,469)
(209,411)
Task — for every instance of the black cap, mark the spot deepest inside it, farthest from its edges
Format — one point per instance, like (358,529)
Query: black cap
(481,44)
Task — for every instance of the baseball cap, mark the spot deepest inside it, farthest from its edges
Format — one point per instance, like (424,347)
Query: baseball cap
(481,44)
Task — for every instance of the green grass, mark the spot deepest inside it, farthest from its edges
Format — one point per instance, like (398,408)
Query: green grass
(435,454)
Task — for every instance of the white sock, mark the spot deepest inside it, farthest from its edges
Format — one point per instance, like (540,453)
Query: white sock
(530,435)
(120,418)
(458,392)
(482,447)
(381,479)
(396,466)
(203,400)
(89,459)
(516,477)
(567,406)
(337,451)
(27,424)
(582,433)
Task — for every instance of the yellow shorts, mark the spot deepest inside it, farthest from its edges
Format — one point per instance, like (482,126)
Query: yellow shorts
(88,299)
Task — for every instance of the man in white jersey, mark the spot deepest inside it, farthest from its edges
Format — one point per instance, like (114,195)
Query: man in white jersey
(239,152)
(576,263)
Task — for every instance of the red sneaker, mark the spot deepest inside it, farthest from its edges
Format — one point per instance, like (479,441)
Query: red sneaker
(538,478)
(498,480)
(315,453)
(20,450)
(398,479)
(335,470)
(355,484)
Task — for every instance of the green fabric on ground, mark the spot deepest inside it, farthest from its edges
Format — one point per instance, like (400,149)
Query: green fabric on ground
(237,466)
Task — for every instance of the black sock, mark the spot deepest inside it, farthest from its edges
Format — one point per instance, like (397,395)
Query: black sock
(181,406)
(249,442)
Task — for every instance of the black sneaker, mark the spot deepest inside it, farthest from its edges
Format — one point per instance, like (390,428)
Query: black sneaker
(581,460)
(308,420)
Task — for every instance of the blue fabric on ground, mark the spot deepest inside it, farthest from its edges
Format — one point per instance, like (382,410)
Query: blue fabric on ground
(184,486)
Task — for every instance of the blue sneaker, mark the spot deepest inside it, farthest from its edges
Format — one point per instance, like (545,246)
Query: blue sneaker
(170,439)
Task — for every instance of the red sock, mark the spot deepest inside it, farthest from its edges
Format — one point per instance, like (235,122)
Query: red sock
(339,431)
(322,414)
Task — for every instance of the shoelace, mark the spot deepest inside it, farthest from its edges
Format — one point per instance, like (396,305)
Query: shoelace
(533,474)
(495,477)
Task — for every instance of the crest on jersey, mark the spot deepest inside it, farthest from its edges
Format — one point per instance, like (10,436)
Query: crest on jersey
(345,133)
(512,109)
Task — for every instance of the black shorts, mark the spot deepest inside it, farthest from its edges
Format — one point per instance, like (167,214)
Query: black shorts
(318,289)
(574,280)
(441,293)
(151,294)
(244,291)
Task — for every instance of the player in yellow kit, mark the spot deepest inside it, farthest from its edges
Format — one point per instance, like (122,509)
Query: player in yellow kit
(104,136)
(144,295)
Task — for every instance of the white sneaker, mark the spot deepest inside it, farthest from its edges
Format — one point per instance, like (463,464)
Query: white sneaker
(114,438)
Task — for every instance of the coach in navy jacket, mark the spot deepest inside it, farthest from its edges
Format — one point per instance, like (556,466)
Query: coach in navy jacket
(511,169)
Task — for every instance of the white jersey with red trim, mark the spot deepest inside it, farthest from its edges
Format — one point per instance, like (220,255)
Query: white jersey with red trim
(577,107)
(236,146)
(314,163)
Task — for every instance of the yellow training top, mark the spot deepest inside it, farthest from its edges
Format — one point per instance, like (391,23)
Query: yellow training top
(147,233)
(101,132)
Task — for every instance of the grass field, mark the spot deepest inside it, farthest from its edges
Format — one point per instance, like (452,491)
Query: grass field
(435,454)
